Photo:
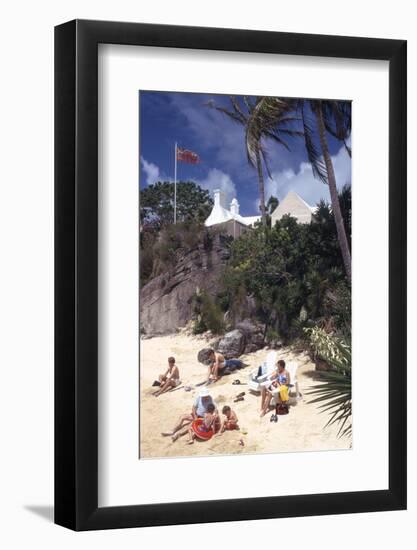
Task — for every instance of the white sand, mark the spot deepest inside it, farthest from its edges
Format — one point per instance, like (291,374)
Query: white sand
(301,430)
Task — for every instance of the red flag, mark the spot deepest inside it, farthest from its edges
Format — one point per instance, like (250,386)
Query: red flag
(184,155)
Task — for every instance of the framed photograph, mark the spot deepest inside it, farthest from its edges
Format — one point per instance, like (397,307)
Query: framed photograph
(230,284)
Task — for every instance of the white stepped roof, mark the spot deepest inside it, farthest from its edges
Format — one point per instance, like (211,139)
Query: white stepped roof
(247,220)
(218,215)
(222,215)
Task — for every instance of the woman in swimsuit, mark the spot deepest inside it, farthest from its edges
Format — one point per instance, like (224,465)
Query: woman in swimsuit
(280,378)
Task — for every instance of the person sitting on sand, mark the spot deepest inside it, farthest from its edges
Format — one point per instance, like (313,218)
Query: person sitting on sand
(198,411)
(230,420)
(218,364)
(206,425)
(279,383)
(170,379)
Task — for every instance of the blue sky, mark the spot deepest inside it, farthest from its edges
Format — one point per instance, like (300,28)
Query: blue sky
(166,117)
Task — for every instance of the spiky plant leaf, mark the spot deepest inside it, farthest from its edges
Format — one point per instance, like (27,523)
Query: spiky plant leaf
(334,394)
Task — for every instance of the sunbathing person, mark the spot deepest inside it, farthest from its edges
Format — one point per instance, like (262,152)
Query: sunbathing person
(218,364)
(230,420)
(198,411)
(170,379)
(205,427)
(279,383)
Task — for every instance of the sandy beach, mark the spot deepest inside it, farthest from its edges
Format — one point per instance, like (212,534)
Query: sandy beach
(301,430)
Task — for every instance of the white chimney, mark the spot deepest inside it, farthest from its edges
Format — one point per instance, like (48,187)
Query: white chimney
(219,198)
(234,207)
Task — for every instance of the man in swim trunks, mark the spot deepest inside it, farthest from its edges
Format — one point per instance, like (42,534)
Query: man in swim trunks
(170,379)
(198,410)
(218,363)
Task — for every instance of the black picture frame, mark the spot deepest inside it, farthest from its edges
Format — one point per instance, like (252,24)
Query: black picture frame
(76,272)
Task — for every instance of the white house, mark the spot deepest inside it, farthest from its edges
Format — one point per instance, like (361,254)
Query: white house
(220,214)
(235,224)
(295,206)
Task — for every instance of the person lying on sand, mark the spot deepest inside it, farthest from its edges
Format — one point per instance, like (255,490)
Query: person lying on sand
(218,364)
(198,410)
(209,420)
(170,379)
(279,382)
(230,420)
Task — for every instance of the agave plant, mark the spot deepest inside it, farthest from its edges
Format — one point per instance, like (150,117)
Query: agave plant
(335,392)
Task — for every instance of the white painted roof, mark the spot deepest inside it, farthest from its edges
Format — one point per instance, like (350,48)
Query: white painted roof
(218,215)
(294,205)
(249,220)
(221,215)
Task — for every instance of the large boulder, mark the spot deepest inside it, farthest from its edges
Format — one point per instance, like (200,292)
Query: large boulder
(232,344)
(254,335)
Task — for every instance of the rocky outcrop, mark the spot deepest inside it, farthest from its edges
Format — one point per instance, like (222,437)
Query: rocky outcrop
(247,337)
(254,335)
(232,344)
(166,300)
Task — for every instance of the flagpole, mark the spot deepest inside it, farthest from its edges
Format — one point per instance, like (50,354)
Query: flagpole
(175,186)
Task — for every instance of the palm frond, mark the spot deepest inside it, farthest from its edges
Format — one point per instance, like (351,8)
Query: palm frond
(334,394)
(265,121)
(314,155)
(337,118)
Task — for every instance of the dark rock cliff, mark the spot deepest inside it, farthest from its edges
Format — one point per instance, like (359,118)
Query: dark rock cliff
(166,300)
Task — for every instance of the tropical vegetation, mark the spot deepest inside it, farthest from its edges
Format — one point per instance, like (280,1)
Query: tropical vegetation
(294,272)
(160,239)
(194,204)
(319,118)
(334,393)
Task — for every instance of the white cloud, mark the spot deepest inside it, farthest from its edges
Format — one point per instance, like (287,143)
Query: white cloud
(151,170)
(216,179)
(303,182)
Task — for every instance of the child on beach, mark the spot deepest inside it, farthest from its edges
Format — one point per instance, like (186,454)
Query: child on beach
(170,379)
(206,425)
(230,419)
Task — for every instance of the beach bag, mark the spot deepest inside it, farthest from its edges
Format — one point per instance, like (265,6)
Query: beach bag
(281,408)
(283,393)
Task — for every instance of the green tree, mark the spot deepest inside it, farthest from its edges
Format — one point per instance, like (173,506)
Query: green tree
(295,273)
(157,204)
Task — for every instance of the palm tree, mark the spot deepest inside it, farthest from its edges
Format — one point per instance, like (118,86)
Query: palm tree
(330,117)
(326,112)
(257,156)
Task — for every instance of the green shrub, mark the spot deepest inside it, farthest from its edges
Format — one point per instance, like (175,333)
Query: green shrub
(209,315)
